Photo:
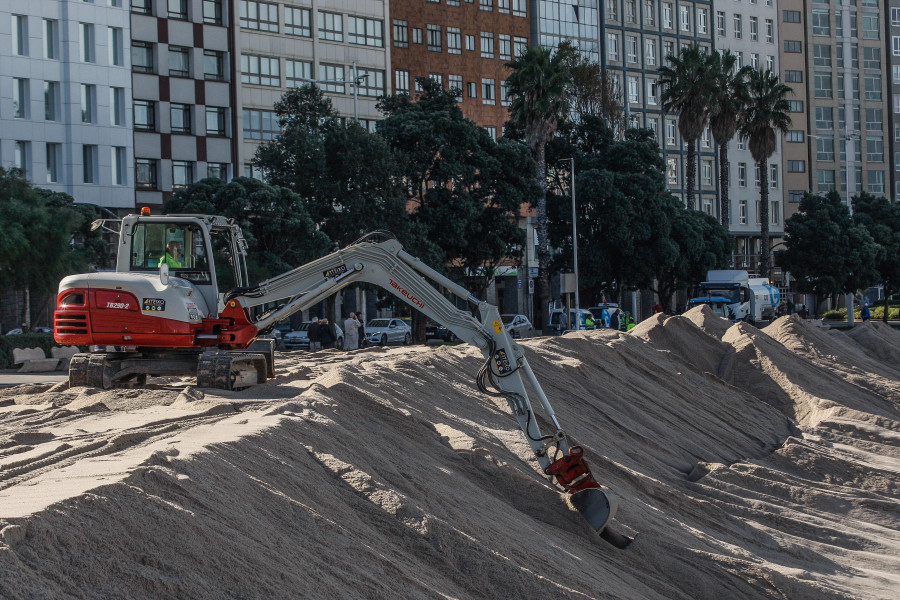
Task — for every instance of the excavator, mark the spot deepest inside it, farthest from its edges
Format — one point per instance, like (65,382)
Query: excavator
(180,303)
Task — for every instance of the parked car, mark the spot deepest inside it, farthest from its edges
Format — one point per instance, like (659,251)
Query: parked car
(299,338)
(517,326)
(388,331)
(586,320)
(277,334)
(435,331)
(608,315)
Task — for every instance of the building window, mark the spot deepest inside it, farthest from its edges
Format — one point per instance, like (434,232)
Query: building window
(821,22)
(706,171)
(870,27)
(178,9)
(793,46)
(502,7)
(87,43)
(876,182)
(488,92)
(51,100)
(142,7)
(145,115)
(20,98)
(116,49)
(54,162)
(519,8)
(417,35)
(633,94)
(770,31)
(796,166)
(612,46)
(51,39)
(652,92)
(742,212)
(212,12)
(754,29)
(142,57)
(631,44)
(260,124)
(791,16)
(89,163)
(260,70)
(434,38)
(437,78)
(487,45)
(720,24)
(334,75)
(822,55)
(795,196)
(754,60)
(794,135)
(505,47)
(770,63)
(297,73)
(871,58)
(823,85)
(630,11)
(215,120)
(650,53)
(118,165)
(331,27)
(795,106)
(261,16)
(875,149)
(182,173)
(401,81)
(88,103)
(454,40)
(487,5)
(117,105)
(298,21)
(670,132)
(824,118)
(895,17)
(825,149)
(22,157)
(456,86)
(217,171)
(873,87)
(738,26)
(824,180)
(701,21)
(371,82)
(180,118)
(706,138)
(179,61)
(20,35)
(650,12)
(365,32)
(213,65)
(472,89)
(671,171)
(253,171)
(775,212)
(685,18)
(401,34)
(742,174)
(145,173)
(873,119)
(793,76)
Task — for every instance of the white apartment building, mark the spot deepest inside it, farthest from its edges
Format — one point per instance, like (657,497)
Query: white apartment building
(65,97)
(749,29)
(342,46)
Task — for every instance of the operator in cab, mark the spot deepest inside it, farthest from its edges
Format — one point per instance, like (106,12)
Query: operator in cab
(172,257)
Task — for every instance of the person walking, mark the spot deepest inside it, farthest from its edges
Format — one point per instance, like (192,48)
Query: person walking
(361,328)
(351,332)
(327,334)
(314,333)
(864,313)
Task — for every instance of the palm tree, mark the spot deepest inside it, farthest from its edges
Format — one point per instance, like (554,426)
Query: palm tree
(766,112)
(687,88)
(728,101)
(539,85)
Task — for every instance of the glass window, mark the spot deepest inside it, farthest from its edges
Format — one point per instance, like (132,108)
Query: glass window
(117,105)
(520,45)
(365,32)
(217,171)
(754,29)
(370,82)
(796,166)
(212,12)
(54,162)
(519,8)
(401,81)
(142,7)
(875,182)
(824,118)
(793,76)
(142,57)
(145,173)
(297,73)
(178,9)
(822,55)
(821,22)
(720,24)
(871,57)
(456,86)
(214,65)
(20,98)
(145,115)
(870,27)
(87,43)
(116,52)
(118,165)
(487,45)
(334,76)
(824,149)
(823,85)
(650,53)
(793,46)
(180,118)
(215,120)
(20,35)
(260,70)
(182,173)
(179,61)
(434,38)
(90,168)
(297,21)
(331,27)
(824,180)
(417,36)
(873,87)
(88,103)
(794,135)
(22,157)
(791,16)
(401,34)
(738,26)
(260,124)
(505,47)
(51,100)
(875,149)
(488,91)
(261,16)
(51,39)
(795,106)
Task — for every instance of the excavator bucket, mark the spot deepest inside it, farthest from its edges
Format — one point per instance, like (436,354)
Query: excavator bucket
(596,505)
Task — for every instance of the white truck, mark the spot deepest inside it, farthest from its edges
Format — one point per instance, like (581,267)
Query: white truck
(736,296)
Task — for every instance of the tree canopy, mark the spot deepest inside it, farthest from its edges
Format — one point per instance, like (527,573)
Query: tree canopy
(881,218)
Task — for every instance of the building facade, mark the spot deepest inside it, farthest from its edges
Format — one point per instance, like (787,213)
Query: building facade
(65,91)
(749,30)
(892,75)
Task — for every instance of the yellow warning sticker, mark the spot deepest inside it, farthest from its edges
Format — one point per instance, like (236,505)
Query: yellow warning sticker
(498,327)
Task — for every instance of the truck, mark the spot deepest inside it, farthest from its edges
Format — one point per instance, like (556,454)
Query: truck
(736,296)
(168,311)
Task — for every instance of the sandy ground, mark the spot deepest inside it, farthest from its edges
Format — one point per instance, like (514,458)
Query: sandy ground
(749,464)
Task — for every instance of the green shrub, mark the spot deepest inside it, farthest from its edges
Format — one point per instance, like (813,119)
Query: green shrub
(836,314)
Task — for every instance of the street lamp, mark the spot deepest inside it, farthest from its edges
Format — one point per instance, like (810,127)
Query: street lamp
(574,242)
(847,138)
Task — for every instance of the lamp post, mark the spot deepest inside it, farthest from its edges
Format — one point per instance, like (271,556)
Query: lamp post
(848,137)
(577,324)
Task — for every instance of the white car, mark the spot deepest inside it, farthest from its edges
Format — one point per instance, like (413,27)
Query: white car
(388,331)
(518,326)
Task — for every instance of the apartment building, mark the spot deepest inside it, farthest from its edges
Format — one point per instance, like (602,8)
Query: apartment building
(65,90)
(463,44)
(749,29)
(795,145)
(892,73)
(341,46)
(636,37)
(848,113)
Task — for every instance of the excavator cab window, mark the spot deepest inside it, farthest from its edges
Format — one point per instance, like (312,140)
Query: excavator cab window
(180,245)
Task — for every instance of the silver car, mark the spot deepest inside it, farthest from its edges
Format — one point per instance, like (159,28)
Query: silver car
(517,326)
(299,338)
(388,331)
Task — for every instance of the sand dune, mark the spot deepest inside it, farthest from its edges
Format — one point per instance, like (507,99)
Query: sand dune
(749,464)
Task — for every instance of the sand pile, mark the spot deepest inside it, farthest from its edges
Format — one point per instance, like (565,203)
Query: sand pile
(749,464)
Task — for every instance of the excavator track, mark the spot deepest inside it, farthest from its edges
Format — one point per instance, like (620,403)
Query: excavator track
(90,370)
(231,371)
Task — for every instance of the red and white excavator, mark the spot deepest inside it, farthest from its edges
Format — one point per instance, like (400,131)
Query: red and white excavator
(165,312)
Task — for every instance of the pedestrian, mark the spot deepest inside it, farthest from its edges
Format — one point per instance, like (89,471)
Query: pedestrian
(361,328)
(864,313)
(351,332)
(314,333)
(327,334)
(657,308)
(563,322)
